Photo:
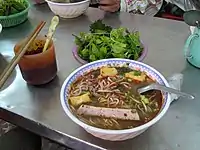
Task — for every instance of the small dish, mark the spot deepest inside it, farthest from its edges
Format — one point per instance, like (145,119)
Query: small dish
(82,61)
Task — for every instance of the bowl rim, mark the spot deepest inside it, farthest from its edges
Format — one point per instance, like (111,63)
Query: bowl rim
(82,61)
(67,4)
(116,132)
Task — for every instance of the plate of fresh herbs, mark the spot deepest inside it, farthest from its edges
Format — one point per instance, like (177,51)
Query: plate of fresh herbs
(13,12)
(10,7)
(104,42)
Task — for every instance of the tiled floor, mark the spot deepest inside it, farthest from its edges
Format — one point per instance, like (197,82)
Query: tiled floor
(46,144)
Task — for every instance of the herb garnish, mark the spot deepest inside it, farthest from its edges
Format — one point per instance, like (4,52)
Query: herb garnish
(106,42)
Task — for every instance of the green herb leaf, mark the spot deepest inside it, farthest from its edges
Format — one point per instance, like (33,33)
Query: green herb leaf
(92,57)
(137,73)
(85,53)
(99,27)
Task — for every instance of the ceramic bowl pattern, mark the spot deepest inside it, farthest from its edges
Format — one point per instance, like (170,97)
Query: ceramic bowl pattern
(69,10)
(114,135)
(82,61)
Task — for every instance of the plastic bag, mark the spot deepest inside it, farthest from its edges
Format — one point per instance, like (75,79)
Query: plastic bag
(192,29)
(175,82)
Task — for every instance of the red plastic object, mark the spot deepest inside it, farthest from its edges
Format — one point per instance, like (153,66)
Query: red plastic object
(169,16)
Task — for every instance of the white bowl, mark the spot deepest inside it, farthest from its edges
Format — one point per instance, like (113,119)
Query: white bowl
(69,10)
(114,135)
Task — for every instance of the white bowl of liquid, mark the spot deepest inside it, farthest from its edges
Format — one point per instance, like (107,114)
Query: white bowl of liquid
(114,135)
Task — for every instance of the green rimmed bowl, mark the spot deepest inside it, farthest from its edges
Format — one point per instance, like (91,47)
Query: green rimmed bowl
(15,19)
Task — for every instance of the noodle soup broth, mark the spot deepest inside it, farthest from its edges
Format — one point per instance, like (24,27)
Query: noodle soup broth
(103,98)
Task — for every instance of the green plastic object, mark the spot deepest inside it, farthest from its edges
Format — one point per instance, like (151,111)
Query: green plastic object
(15,19)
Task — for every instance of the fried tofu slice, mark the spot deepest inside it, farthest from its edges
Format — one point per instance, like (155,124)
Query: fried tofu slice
(136,75)
(79,100)
(107,71)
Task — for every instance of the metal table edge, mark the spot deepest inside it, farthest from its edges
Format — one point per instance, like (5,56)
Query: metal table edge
(42,130)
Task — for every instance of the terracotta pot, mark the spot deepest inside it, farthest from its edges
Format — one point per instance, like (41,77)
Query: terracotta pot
(38,68)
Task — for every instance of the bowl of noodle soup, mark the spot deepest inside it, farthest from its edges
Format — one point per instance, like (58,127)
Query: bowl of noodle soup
(98,97)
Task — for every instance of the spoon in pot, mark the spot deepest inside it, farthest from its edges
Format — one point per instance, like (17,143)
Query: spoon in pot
(52,29)
(144,87)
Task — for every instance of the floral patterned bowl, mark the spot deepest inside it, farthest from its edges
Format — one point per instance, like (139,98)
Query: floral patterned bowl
(114,135)
(82,61)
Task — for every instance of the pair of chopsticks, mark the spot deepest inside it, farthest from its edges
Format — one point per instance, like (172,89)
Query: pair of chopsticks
(8,70)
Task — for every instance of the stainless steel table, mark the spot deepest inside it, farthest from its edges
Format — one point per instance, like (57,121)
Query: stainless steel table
(38,109)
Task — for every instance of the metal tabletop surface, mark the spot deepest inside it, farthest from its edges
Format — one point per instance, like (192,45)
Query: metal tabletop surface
(38,109)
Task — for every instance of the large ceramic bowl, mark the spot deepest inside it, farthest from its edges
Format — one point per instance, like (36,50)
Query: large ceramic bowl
(114,135)
(82,61)
(69,10)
